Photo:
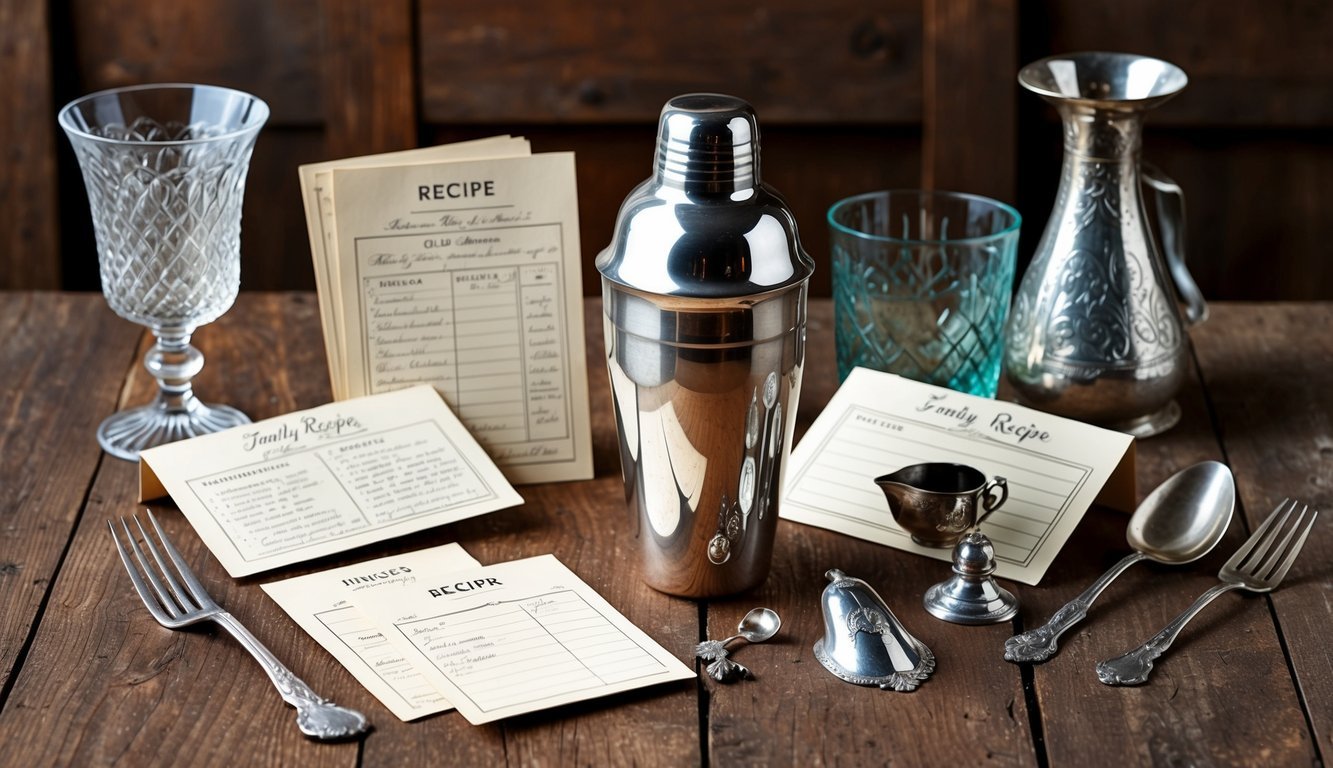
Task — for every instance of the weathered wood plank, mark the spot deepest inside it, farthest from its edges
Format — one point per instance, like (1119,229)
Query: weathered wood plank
(1271,386)
(970,56)
(971,711)
(1187,713)
(588,62)
(103,682)
(368,75)
(62,358)
(1256,63)
(28,214)
(269,48)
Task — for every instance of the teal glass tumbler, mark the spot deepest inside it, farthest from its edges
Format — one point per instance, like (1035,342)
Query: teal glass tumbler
(921,285)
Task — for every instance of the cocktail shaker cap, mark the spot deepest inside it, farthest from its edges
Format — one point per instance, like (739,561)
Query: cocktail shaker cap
(704,225)
(708,143)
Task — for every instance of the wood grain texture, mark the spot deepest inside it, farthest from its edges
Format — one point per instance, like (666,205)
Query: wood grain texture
(1254,63)
(969,58)
(267,47)
(368,77)
(103,684)
(49,412)
(583,62)
(28,216)
(1271,385)
(1186,714)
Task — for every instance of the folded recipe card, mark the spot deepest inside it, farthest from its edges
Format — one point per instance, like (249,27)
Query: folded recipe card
(320,604)
(523,636)
(325,480)
(461,272)
(878,423)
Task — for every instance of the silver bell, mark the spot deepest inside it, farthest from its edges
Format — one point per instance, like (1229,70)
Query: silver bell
(971,595)
(864,643)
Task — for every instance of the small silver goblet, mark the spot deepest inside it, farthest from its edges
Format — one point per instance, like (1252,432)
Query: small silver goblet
(165,167)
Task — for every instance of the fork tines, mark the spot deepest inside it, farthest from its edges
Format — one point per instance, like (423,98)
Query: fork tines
(1276,560)
(164,596)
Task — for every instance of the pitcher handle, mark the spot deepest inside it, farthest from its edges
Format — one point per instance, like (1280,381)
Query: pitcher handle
(1171,218)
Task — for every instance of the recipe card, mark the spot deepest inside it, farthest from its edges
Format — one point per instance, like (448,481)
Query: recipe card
(878,423)
(517,637)
(319,603)
(320,212)
(465,274)
(316,482)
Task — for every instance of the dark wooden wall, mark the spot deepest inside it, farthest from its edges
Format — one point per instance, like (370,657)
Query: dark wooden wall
(851,96)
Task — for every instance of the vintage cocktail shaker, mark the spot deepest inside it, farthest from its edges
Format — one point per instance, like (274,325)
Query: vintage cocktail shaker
(704,290)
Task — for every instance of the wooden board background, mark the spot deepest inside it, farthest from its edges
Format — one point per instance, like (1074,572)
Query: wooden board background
(851,97)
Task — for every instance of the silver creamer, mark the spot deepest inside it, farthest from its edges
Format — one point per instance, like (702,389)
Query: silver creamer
(704,291)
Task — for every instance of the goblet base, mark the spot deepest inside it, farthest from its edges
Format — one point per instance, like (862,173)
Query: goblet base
(125,434)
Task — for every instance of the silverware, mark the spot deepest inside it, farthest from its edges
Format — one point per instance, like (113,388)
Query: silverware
(758,625)
(175,608)
(1180,522)
(1258,566)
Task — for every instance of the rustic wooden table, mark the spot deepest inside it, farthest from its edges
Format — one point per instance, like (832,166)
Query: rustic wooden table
(90,679)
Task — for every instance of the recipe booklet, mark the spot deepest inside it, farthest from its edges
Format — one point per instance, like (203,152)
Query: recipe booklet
(320,604)
(317,198)
(877,423)
(461,272)
(325,480)
(505,639)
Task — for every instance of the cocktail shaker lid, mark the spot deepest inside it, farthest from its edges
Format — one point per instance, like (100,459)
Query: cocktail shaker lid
(708,143)
(864,643)
(704,225)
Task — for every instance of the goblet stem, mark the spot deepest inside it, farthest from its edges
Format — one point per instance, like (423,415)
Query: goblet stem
(174,362)
(175,414)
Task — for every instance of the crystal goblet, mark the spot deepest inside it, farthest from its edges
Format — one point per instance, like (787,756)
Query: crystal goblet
(165,167)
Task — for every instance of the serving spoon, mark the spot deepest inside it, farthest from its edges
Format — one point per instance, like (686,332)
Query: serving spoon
(1180,522)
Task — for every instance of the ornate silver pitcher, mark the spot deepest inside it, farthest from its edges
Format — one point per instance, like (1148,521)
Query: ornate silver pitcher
(1096,333)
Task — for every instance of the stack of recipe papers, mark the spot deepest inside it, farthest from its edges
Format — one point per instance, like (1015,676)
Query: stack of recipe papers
(427,630)
(458,266)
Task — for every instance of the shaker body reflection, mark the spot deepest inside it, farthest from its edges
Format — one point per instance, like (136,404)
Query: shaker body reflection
(704,290)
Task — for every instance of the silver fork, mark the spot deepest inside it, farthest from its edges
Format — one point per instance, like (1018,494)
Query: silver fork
(176,608)
(1258,566)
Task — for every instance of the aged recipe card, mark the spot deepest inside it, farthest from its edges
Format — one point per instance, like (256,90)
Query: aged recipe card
(465,275)
(320,212)
(518,637)
(319,603)
(332,478)
(877,423)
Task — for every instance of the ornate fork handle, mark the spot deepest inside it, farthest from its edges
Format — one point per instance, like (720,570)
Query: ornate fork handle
(1041,643)
(1133,668)
(316,716)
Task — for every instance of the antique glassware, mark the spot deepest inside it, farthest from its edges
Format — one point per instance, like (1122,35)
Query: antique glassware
(1095,332)
(704,293)
(165,167)
(921,285)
